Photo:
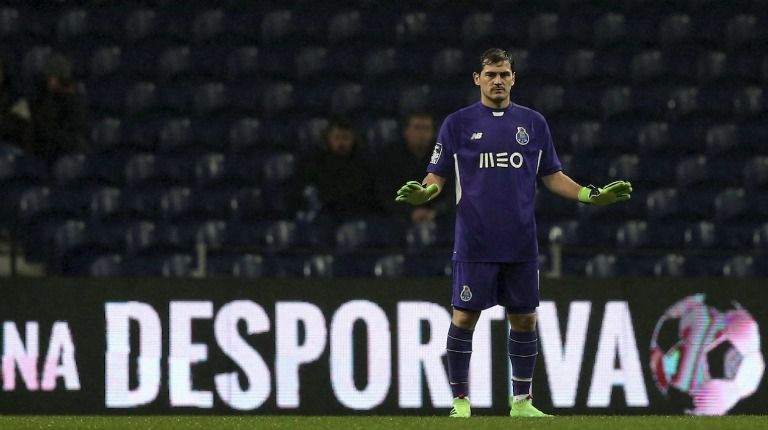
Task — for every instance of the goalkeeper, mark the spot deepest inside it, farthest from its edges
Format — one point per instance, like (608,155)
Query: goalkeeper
(496,149)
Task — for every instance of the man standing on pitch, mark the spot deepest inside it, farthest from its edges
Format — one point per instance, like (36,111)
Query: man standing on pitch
(497,149)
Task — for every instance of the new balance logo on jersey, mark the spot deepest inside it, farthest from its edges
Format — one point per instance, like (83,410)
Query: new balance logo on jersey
(476,136)
(501,159)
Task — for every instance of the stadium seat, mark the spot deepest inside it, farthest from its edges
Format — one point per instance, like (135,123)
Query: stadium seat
(73,169)
(212,26)
(413,27)
(177,266)
(549,100)
(633,235)
(449,64)
(346,98)
(603,266)
(616,102)
(755,173)
(105,62)
(741,30)
(692,172)
(243,63)
(702,235)
(682,103)
(581,66)
(141,99)
(105,203)
(732,205)
(711,67)
(277,99)
(748,102)
(249,266)
(140,25)
(210,99)
(478,29)
(174,63)
(279,236)
(674,31)
(670,266)
(278,168)
(34,62)
(544,28)
(107,266)
(647,66)
(390,266)
(277,26)
(245,135)
(610,30)
(740,266)
(383,133)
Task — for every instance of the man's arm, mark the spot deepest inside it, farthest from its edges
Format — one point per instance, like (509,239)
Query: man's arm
(560,184)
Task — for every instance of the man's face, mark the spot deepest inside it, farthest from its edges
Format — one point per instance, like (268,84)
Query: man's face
(495,82)
(341,141)
(419,134)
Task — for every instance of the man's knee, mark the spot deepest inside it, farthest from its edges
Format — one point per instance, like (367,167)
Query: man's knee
(522,322)
(464,318)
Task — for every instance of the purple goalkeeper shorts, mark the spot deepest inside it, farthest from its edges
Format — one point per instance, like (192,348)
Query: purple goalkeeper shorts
(479,286)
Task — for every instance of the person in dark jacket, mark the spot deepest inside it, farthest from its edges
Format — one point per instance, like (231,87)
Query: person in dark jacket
(340,174)
(15,126)
(408,160)
(58,113)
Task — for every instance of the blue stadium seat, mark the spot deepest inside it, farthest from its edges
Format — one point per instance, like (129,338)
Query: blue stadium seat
(105,62)
(413,27)
(73,26)
(653,137)
(347,98)
(616,102)
(479,29)
(177,266)
(175,136)
(674,31)
(748,102)
(278,25)
(610,30)
(211,26)
(141,99)
(670,266)
(369,233)
(140,25)
(105,203)
(603,266)
(145,170)
(711,67)
(383,132)
(581,66)
(243,63)
(732,205)
(107,266)
(740,266)
(210,99)
(73,169)
(760,237)
(249,266)
(449,64)
(647,66)
(278,168)
(633,235)
(245,135)
(278,99)
(429,235)
(312,62)
(345,26)
(742,30)
(692,172)
(682,103)
(174,63)
(702,235)
(544,28)
(310,133)
(34,62)
(755,173)
(390,266)
(549,100)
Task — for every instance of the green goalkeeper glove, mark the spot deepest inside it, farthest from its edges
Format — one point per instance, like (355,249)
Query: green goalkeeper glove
(414,193)
(618,191)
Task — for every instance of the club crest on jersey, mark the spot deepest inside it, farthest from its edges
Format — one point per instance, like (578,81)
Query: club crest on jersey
(522,136)
(466,294)
(436,153)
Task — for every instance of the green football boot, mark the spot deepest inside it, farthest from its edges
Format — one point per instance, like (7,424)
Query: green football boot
(461,408)
(524,408)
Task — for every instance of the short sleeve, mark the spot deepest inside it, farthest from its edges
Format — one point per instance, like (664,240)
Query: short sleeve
(549,163)
(441,161)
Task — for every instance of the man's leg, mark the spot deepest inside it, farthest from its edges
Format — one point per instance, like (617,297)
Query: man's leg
(520,295)
(522,348)
(459,351)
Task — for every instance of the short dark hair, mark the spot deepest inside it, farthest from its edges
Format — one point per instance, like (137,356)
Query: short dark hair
(413,115)
(493,56)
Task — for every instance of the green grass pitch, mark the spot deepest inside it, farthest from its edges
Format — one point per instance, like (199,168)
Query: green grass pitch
(380,422)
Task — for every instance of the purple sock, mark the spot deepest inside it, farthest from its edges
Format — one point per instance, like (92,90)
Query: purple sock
(522,348)
(459,347)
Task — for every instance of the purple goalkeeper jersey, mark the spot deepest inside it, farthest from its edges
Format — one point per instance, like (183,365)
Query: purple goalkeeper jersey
(496,155)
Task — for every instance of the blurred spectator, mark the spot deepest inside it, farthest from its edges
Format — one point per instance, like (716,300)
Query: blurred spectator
(15,123)
(339,173)
(410,160)
(58,115)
